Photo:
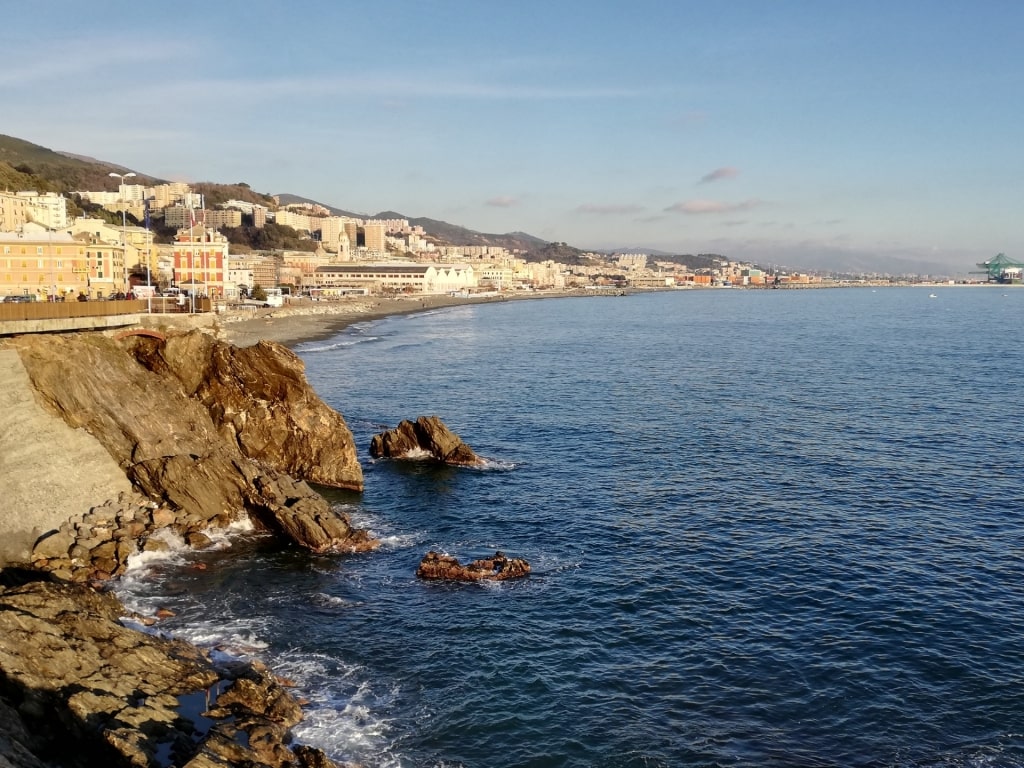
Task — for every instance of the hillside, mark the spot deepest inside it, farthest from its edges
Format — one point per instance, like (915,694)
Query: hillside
(51,171)
(27,166)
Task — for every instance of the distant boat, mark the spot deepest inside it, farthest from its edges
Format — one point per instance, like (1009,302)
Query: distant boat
(932,296)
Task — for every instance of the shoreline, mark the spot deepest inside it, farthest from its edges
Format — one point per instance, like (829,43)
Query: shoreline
(305,320)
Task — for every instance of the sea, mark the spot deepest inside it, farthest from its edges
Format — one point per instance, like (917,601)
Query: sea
(766,528)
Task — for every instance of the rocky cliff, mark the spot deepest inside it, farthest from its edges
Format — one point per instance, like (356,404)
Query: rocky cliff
(206,430)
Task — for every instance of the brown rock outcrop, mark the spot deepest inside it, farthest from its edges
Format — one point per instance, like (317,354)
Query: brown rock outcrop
(259,399)
(428,434)
(79,688)
(155,420)
(437,567)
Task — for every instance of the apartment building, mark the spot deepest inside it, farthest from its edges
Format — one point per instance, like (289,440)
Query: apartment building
(44,263)
(375,237)
(300,221)
(13,211)
(223,217)
(264,269)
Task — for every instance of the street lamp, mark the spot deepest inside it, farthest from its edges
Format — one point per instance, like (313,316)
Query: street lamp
(124,222)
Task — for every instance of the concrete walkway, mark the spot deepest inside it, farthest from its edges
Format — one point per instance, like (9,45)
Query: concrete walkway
(49,472)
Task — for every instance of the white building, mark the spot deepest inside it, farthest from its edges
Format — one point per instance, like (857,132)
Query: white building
(399,278)
(48,209)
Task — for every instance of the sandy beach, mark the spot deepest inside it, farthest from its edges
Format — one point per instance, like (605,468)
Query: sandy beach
(307,320)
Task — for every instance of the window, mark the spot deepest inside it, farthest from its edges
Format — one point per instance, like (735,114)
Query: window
(39,250)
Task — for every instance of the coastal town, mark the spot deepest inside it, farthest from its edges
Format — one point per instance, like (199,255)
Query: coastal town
(48,254)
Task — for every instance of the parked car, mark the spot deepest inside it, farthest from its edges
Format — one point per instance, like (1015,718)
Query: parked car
(19,299)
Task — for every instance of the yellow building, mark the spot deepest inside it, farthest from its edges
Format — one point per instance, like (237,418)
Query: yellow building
(56,264)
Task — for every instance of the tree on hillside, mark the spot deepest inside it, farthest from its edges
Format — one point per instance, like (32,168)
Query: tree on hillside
(271,237)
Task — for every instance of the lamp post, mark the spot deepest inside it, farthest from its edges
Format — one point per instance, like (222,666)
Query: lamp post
(124,222)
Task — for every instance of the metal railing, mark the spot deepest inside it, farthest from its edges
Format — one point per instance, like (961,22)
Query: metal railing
(56,310)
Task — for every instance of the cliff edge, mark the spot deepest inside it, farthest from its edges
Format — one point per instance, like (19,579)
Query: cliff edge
(198,427)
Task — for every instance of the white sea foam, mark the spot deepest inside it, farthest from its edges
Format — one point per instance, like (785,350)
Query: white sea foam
(380,529)
(343,715)
(313,348)
(495,465)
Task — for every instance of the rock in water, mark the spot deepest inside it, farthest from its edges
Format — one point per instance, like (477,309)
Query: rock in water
(437,567)
(428,434)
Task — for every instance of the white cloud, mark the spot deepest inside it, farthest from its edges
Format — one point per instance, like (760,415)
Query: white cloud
(719,174)
(609,210)
(695,207)
(503,201)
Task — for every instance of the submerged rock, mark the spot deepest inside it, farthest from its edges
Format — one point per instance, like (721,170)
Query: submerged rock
(438,567)
(427,435)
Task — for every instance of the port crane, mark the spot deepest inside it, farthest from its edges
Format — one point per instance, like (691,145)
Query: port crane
(1001,269)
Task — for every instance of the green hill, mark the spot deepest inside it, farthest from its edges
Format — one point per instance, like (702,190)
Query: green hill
(45,170)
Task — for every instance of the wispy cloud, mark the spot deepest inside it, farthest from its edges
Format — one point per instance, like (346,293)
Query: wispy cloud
(696,207)
(503,201)
(719,174)
(72,62)
(609,210)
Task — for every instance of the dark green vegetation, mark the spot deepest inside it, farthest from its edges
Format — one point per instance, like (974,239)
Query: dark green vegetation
(24,165)
(269,237)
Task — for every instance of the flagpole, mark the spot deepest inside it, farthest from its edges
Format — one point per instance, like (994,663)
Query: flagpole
(192,257)
(149,260)
(206,252)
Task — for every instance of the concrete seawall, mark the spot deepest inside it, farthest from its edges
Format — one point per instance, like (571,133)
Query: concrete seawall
(48,471)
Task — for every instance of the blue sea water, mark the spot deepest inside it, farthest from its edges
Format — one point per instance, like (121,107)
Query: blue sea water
(767,528)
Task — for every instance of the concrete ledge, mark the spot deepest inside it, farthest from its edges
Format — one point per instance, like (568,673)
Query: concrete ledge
(58,325)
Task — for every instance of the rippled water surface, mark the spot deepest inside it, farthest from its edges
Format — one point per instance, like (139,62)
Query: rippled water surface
(766,528)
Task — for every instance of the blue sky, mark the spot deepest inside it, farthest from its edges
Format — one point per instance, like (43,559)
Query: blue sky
(820,132)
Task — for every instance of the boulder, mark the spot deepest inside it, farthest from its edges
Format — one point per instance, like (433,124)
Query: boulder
(428,435)
(437,567)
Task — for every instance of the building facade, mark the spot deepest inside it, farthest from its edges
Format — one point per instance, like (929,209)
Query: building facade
(397,278)
(59,265)
(200,261)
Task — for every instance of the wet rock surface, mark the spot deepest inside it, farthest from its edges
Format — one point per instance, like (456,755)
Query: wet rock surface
(426,435)
(439,567)
(79,688)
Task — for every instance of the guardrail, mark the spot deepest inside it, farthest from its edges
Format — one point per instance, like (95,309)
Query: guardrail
(57,310)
